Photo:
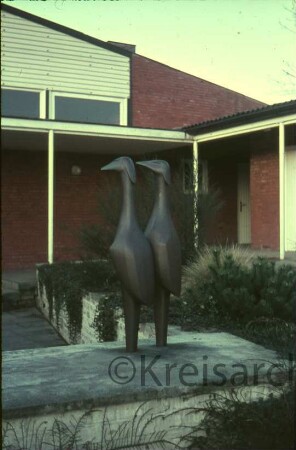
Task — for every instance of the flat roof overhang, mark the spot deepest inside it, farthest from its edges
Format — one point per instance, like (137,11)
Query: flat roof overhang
(107,139)
(252,117)
(260,125)
(29,134)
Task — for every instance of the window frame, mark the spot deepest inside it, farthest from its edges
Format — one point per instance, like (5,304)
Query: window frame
(121,101)
(42,98)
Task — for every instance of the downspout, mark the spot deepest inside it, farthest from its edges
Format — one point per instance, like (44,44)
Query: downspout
(282,188)
(195,187)
(50,196)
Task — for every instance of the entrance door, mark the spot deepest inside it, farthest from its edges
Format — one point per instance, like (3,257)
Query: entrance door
(243,205)
(290,199)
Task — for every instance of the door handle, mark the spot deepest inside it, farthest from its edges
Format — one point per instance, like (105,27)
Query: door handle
(241,204)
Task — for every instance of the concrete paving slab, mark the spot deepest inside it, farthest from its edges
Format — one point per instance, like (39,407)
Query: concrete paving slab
(27,329)
(54,380)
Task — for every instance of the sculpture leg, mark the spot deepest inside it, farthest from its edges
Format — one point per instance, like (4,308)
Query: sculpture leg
(132,320)
(161,312)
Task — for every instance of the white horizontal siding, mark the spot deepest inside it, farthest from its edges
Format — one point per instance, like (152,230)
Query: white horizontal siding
(38,57)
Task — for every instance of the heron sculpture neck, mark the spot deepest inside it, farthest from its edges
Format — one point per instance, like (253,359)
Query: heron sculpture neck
(162,196)
(128,212)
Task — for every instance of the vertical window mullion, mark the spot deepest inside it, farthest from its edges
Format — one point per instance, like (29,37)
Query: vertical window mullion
(42,104)
(123,112)
(51,105)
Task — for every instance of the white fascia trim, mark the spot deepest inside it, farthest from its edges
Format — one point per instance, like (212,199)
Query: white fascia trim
(249,128)
(96,130)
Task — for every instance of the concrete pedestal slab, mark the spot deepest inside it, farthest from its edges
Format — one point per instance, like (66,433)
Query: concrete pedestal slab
(66,382)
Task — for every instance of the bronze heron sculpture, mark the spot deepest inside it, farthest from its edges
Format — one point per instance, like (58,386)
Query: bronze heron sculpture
(131,254)
(166,247)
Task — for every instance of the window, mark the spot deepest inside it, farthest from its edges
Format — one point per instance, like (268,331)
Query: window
(188,176)
(88,109)
(70,107)
(22,103)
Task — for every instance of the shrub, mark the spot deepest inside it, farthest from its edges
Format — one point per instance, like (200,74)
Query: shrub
(274,289)
(105,321)
(198,269)
(262,425)
(274,333)
(224,288)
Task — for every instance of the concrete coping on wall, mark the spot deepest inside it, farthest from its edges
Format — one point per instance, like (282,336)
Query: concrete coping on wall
(61,379)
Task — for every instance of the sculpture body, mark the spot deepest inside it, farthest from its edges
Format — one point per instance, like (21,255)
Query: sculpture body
(132,255)
(166,247)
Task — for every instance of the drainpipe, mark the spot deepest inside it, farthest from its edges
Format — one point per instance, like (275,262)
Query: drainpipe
(50,195)
(282,188)
(195,185)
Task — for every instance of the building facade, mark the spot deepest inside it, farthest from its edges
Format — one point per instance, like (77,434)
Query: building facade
(70,103)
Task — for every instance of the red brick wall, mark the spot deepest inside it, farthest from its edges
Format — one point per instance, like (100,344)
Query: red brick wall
(24,208)
(163,97)
(264,187)
(24,205)
(76,201)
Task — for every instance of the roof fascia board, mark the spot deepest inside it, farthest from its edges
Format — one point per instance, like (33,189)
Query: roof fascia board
(243,118)
(243,129)
(96,130)
(63,29)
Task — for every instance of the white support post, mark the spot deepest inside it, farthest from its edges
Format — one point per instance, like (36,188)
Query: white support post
(195,185)
(50,224)
(282,188)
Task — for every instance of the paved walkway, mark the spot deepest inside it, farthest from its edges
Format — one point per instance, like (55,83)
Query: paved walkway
(27,328)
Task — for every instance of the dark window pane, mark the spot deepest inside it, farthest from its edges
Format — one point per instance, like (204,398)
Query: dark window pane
(85,110)
(19,104)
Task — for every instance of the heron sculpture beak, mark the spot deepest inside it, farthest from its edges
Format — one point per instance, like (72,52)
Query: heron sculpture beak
(159,167)
(113,165)
(123,164)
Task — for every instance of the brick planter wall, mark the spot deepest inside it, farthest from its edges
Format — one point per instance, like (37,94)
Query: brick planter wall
(88,334)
